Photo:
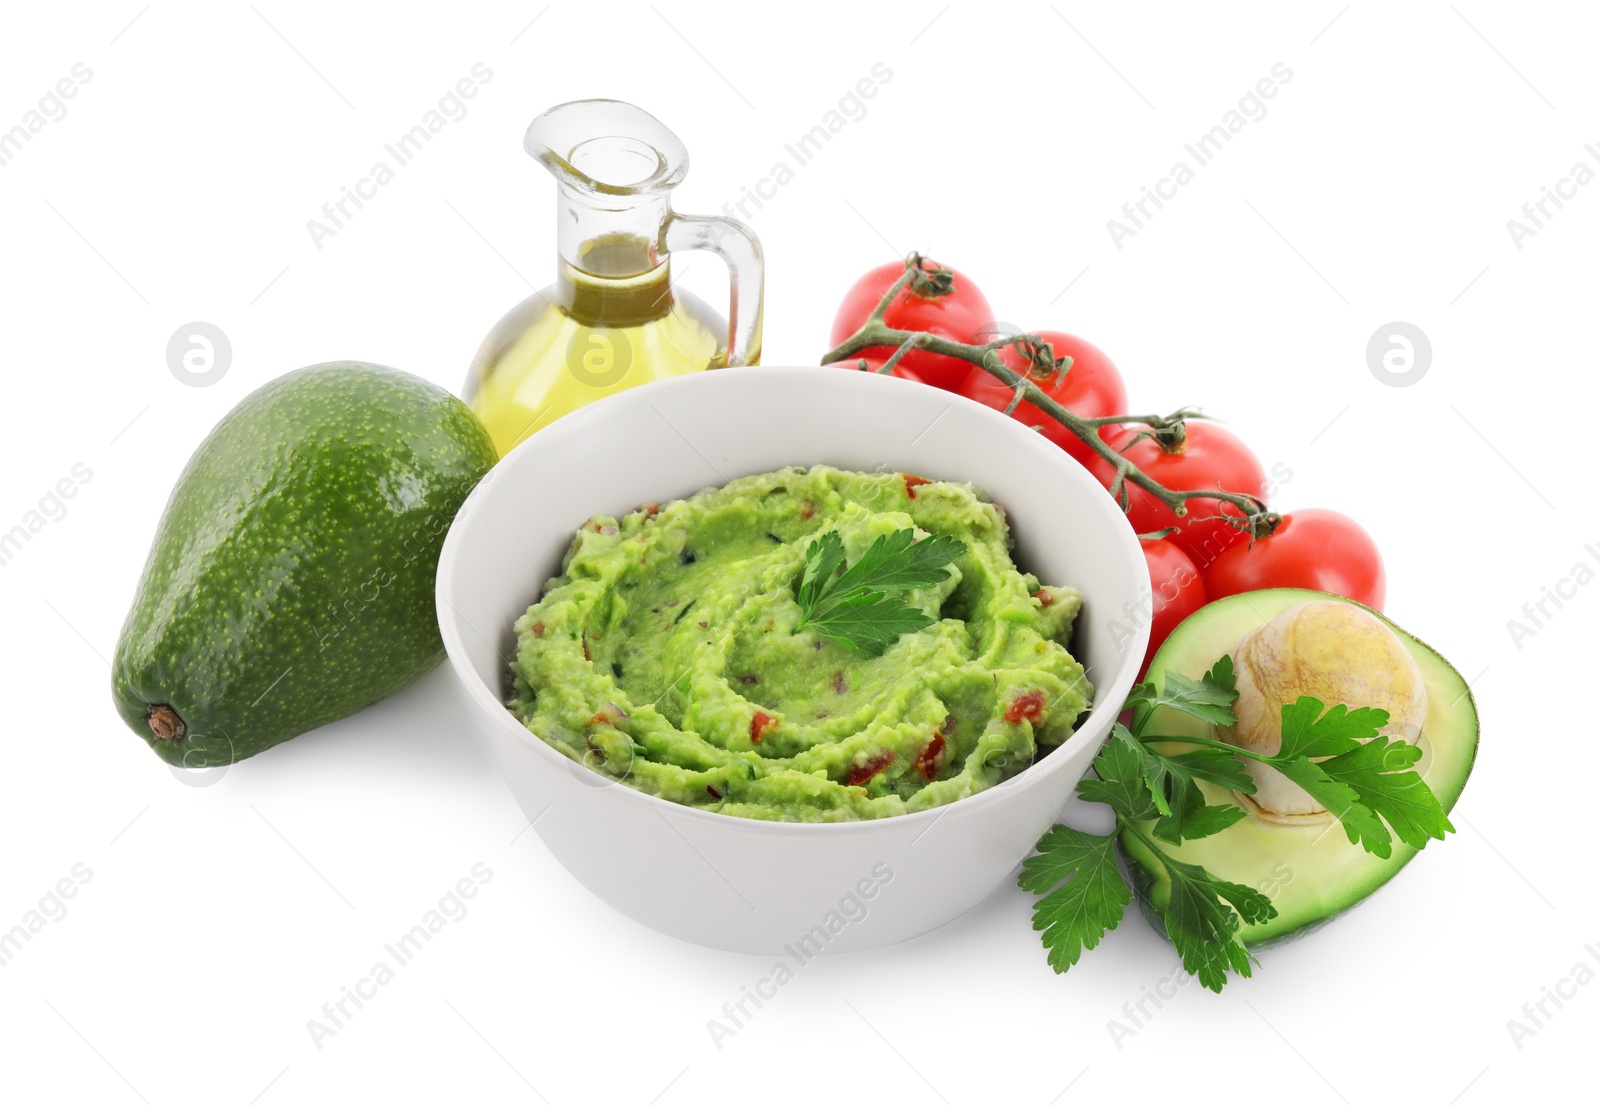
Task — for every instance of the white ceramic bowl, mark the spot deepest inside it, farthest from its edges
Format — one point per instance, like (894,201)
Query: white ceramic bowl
(739,883)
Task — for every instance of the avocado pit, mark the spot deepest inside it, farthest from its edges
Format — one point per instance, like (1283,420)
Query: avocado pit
(1333,651)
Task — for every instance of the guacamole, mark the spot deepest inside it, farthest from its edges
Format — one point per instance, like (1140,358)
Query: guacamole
(665,656)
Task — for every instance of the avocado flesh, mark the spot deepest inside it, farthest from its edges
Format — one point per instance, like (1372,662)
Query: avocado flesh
(290,582)
(1311,872)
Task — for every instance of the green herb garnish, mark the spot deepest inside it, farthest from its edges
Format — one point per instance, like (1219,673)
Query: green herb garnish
(854,606)
(1336,754)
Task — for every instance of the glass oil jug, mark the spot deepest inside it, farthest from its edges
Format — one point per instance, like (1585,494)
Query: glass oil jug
(613,319)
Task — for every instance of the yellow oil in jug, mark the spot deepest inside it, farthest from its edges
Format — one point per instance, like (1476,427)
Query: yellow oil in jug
(585,338)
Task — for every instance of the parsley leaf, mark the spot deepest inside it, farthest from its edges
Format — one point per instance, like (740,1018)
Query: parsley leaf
(1309,732)
(1379,772)
(1366,778)
(867,623)
(1089,900)
(1121,785)
(898,561)
(1210,699)
(1341,800)
(1204,927)
(853,606)
(1171,777)
(1221,677)
(1203,821)
(823,557)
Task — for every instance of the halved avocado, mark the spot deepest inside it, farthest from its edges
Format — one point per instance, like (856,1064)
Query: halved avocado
(1312,872)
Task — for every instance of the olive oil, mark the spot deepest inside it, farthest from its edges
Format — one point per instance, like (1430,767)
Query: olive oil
(613,319)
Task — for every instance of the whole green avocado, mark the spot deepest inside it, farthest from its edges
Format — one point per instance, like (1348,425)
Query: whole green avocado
(290,582)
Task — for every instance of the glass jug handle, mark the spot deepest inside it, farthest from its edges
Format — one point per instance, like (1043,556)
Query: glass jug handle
(737,246)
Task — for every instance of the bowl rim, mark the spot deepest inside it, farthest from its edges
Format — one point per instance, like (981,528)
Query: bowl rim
(1027,442)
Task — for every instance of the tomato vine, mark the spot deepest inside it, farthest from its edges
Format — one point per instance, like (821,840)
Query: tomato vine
(932,281)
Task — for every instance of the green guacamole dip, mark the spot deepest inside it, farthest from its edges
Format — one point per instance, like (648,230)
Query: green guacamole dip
(664,655)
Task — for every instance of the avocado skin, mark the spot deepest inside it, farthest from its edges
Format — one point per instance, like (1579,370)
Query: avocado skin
(290,582)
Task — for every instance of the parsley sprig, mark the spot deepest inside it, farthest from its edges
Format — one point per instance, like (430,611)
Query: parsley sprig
(1336,754)
(857,605)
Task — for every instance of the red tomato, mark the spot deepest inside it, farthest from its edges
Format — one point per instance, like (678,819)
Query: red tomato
(1091,387)
(760,725)
(863,773)
(958,315)
(1026,707)
(873,363)
(1316,549)
(1211,458)
(1176,591)
(929,759)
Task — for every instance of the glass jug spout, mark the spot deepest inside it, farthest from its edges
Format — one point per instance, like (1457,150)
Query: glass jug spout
(607,147)
(615,166)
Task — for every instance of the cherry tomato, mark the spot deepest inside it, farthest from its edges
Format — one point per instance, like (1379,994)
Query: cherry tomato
(957,315)
(874,362)
(1210,458)
(1316,549)
(1091,387)
(1176,590)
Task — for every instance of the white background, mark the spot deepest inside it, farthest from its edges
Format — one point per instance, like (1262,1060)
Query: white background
(220,919)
